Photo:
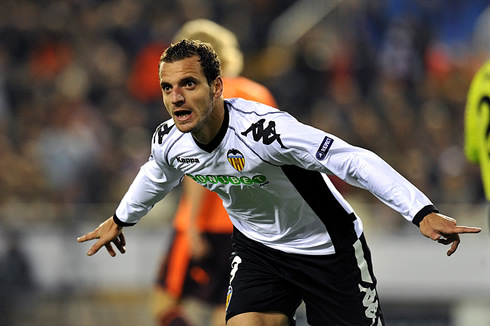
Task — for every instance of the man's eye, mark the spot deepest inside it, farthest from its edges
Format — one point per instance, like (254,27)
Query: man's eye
(166,89)
(190,83)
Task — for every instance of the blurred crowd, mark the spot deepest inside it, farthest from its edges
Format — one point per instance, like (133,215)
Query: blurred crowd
(80,98)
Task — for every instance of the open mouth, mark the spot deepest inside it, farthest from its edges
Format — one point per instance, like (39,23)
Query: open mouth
(182,114)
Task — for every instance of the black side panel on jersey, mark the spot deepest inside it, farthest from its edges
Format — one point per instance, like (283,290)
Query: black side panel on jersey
(318,196)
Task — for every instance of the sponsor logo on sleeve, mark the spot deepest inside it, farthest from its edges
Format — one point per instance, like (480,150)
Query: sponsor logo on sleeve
(322,151)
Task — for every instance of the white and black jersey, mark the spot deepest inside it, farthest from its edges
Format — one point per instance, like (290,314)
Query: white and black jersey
(271,172)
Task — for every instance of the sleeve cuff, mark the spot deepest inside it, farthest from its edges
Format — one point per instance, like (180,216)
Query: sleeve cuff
(121,223)
(423,212)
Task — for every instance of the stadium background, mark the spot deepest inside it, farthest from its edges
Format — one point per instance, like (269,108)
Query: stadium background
(79,99)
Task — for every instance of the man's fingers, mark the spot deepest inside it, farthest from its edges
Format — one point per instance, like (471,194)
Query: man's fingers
(120,243)
(93,250)
(89,236)
(123,239)
(110,250)
(435,236)
(444,230)
(445,241)
(468,229)
(106,233)
(455,230)
(453,248)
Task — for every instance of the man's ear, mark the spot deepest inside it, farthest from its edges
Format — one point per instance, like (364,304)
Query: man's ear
(218,87)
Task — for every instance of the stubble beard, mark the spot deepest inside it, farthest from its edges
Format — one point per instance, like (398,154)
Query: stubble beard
(204,119)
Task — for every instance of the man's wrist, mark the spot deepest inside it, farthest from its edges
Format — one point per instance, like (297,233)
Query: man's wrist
(121,223)
(423,213)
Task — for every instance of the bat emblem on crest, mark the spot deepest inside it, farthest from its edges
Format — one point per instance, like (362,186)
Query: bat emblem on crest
(236,159)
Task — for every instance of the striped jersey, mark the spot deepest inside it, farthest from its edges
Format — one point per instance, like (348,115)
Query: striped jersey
(271,171)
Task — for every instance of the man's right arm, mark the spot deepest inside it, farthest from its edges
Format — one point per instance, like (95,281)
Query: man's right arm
(150,186)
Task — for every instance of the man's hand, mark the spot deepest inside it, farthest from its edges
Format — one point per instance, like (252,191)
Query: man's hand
(443,229)
(107,232)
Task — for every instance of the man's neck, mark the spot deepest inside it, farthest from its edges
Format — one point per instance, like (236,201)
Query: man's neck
(218,135)
(212,125)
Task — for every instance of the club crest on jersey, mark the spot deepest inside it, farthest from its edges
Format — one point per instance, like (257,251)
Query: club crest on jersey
(322,151)
(236,159)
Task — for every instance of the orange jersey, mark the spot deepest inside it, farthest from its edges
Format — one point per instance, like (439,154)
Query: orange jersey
(247,89)
(212,217)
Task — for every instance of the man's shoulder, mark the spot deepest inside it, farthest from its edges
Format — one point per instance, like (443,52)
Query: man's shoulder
(260,125)
(248,115)
(164,132)
(251,109)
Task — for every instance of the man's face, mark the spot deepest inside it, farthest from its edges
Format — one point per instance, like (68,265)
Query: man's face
(186,94)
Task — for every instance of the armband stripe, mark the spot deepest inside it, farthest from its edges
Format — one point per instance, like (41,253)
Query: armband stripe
(121,223)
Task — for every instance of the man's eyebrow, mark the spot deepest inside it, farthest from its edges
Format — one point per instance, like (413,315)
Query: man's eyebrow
(188,79)
(183,81)
(165,84)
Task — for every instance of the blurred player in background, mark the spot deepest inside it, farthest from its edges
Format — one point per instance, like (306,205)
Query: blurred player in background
(477,124)
(193,277)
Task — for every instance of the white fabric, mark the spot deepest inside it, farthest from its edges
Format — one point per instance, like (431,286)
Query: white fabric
(262,202)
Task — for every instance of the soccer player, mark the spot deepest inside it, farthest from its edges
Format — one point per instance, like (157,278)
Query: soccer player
(194,272)
(477,124)
(295,237)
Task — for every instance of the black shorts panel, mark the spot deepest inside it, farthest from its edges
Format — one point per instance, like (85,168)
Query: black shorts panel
(257,290)
(337,289)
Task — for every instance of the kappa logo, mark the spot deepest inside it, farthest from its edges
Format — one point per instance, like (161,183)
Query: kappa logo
(190,160)
(370,302)
(236,159)
(268,135)
(234,268)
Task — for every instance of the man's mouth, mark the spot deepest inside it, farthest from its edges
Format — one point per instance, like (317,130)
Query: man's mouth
(182,114)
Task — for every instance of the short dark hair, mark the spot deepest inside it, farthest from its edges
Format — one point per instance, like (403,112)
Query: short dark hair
(186,48)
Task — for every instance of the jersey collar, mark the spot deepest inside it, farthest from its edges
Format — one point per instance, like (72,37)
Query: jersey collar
(219,137)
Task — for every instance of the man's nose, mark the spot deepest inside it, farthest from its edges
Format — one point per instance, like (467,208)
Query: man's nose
(177,98)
